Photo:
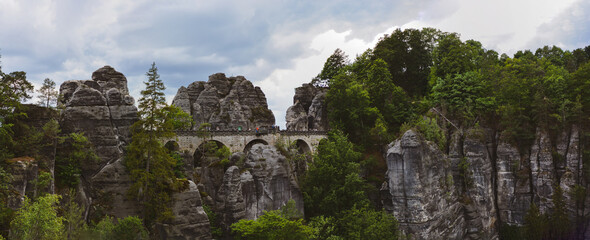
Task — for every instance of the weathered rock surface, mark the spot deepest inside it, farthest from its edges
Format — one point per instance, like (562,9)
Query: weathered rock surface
(97,108)
(260,180)
(268,183)
(190,220)
(104,111)
(419,191)
(491,182)
(308,111)
(24,171)
(225,103)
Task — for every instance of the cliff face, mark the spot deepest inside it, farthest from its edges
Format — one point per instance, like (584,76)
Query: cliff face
(481,183)
(225,103)
(419,190)
(259,180)
(309,111)
(104,111)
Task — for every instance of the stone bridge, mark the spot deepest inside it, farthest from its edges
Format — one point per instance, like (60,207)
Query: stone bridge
(241,141)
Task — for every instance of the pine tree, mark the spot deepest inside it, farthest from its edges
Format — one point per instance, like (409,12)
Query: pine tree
(148,161)
(47,93)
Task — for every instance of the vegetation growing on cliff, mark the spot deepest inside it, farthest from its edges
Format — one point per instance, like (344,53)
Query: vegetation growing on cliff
(426,79)
(148,161)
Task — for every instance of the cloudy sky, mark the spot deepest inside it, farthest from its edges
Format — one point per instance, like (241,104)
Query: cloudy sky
(276,44)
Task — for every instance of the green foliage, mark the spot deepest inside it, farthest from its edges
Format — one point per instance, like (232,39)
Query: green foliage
(332,183)
(38,220)
(429,128)
(272,225)
(129,228)
(336,62)
(103,229)
(75,226)
(511,232)
(350,107)
(179,166)
(176,119)
(6,213)
(536,224)
(41,184)
(366,223)
(215,229)
(465,173)
(14,89)
(75,151)
(463,96)
(290,211)
(356,223)
(365,103)
(560,223)
(408,57)
(149,163)
(47,93)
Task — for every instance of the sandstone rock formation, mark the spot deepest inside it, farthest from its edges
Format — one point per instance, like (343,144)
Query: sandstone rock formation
(308,111)
(225,103)
(260,180)
(419,190)
(190,220)
(104,111)
(481,184)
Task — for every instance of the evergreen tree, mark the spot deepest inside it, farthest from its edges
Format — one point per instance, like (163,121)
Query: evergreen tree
(148,161)
(535,224)
(560,223)
(47,93)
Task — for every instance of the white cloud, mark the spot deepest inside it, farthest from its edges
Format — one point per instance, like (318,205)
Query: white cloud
(277,45)
(504,25)
(280,85)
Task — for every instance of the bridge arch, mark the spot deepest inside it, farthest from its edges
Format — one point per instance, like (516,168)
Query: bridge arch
(172,146)
(302,146)
(206,149)
(252,143)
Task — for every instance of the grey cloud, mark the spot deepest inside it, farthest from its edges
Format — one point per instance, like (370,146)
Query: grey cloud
(569,29)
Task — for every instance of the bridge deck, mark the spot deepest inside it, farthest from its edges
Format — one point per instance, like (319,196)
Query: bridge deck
(240,140)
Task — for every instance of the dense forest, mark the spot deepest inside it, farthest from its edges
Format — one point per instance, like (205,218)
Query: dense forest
(426,80)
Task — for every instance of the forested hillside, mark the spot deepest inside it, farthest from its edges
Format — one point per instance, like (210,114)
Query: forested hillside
(431,137)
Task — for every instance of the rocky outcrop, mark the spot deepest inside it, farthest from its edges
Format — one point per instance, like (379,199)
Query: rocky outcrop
(260,180)
(531,176)
(225,103)
(419,190)
(482,184)
(309,110)
(24,171)
(104,111)
(268,184)
(190,220)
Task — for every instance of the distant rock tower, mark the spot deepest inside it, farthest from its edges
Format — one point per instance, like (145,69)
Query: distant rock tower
(225,103)
(309,111)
